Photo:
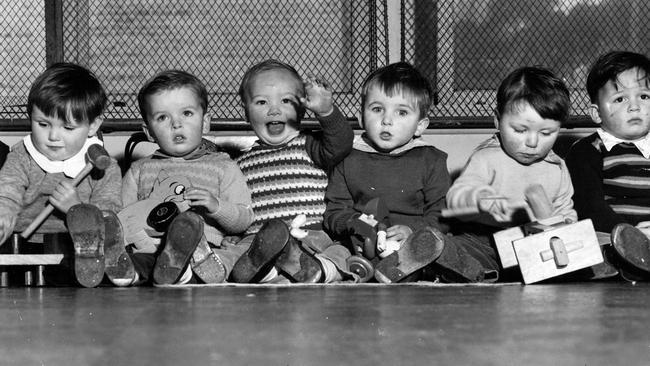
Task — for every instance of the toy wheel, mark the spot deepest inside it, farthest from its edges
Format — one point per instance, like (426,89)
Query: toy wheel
(162,215)
(361,266)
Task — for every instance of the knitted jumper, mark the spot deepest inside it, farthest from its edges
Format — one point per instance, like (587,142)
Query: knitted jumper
(212,171)
(25,189)
(290,179)
(611,187)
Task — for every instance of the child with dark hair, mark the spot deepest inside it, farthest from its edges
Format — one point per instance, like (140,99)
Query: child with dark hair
(214,201)
(390,162)
(65,106)
(286,171)
(532,105)
(611,167)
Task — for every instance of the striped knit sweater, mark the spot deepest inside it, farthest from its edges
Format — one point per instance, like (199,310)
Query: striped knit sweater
(212,171)
(290,179)
(611,187)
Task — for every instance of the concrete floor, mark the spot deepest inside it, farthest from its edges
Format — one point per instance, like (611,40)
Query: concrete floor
(425,324)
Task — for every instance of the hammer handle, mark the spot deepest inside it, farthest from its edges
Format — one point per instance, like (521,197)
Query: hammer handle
(49,208)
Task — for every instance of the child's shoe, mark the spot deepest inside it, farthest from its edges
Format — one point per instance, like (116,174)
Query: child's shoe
(206,264)
(298,264)
(633,249)
(183,236)
(420,248)
(119,267)
(265,248)
(86,226)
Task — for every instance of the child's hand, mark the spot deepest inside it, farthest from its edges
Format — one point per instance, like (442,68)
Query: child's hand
(64,196)
(497,207)
(318,96)
(398,233)
(7,224)
(198,197)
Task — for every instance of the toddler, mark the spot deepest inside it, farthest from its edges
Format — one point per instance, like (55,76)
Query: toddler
(214,199)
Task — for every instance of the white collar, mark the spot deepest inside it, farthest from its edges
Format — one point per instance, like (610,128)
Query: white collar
(610,141)
(70,167)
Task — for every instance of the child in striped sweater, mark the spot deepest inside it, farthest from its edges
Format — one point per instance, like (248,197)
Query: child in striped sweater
(287,171)
(610,168)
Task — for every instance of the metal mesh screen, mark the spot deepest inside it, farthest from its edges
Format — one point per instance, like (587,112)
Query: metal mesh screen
(467,47)
(22,53)
(125,42)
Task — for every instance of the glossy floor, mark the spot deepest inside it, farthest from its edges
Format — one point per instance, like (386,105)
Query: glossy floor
(563,324)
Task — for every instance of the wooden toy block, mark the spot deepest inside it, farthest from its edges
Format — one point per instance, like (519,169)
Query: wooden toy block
(504,238)
(557,251)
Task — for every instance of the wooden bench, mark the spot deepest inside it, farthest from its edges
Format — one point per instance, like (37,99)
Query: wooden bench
(33,265)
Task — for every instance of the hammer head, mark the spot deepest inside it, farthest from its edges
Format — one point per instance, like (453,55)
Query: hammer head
(98,157)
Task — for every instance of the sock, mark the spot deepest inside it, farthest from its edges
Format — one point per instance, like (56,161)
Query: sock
(330,272)
(273,273)
(186,277)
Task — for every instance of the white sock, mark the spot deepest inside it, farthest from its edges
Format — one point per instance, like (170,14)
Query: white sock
(330,272)
(186,277)
(273,273)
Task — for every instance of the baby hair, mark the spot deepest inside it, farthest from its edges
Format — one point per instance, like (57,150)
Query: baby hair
(400,78)
(261,67)
(69,92)
(170,80)
(608,66)
(537,86)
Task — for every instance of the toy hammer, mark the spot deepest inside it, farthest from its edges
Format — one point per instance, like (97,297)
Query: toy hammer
(96,157)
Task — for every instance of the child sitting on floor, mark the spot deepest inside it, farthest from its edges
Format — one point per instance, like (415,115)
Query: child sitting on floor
(610,168)
(286,171)
(65,106)
(391,162)
(532,105)
(174,107)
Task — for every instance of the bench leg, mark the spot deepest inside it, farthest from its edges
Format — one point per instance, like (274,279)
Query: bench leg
(4,277)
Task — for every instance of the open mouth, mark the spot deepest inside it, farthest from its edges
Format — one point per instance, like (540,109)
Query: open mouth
(385,135)
(275,127)
(179,139)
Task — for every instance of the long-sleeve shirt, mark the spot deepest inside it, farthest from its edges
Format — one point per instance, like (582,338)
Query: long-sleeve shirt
(212,171)
(290,179)
(611,187)
(25,189)
(489,169)
(411,182)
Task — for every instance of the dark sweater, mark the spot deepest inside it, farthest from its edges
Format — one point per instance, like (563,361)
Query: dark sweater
(412,185)
(611,187)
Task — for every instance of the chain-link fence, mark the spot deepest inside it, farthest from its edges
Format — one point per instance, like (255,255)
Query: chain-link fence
(127,41)
(467,46)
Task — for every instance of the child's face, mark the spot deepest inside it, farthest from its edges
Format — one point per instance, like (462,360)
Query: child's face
(272,105)
(391,121)
(623,107)
(525,135)
(176,121)
(57,139)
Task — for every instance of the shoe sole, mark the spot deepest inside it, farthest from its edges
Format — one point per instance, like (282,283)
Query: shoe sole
(268,243)
(208,267)
(421,248)
(118,265)
(183,236)
(632,246)
(309,270)
(86,227)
